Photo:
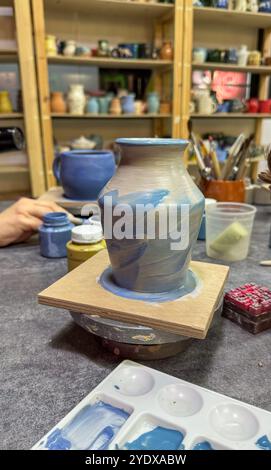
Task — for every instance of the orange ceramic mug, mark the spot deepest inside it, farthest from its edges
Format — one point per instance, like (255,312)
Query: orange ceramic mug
(224,191)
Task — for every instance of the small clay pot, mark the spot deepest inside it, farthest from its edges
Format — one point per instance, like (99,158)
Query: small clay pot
(166,51)
(58,104)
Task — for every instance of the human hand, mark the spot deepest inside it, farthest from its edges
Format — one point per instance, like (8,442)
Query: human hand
(19,221)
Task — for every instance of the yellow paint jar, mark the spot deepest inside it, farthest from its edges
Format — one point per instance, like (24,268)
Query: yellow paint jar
(87,240)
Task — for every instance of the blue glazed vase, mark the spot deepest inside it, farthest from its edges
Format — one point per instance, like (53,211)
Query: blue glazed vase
(153,103)
(83,173)
(92,106)
(128,104)
(104,103)
(151,174)
(55,233)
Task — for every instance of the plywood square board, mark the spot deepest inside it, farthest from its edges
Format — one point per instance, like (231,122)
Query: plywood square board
(80,291)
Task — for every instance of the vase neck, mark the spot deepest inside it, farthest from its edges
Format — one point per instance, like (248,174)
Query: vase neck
(152,156)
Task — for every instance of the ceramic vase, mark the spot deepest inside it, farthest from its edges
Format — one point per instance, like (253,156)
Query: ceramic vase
(92,106)
(206,104)
(151,174)
(115,107)
(242,55)
(128,104)
(153,103)
(166,51)
(104,103)
(70,48)
(240,5)
(254,58)
(76,99)
(5,102)
(58,104)
(199,55)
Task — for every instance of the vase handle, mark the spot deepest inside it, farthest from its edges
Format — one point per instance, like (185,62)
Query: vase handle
(56,167)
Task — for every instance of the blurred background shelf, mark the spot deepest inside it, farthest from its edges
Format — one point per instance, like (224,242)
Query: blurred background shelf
(231,116)
(109,62)
(115,7)
(262,69)
(4,169)
(110,116)
(8,55)
(11,116)
(232,17)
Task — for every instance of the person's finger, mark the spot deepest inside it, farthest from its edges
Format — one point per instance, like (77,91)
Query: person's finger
(50,205)
(29,222)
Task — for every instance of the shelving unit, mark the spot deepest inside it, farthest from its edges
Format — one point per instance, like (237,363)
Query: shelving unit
(17,28)
(120,22)
(215,28)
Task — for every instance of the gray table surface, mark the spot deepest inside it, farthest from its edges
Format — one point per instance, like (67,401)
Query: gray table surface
(48,364)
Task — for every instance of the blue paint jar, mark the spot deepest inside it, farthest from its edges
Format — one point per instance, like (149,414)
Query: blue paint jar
(55,233)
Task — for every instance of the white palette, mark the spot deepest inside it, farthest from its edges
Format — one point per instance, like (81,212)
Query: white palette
(153,399)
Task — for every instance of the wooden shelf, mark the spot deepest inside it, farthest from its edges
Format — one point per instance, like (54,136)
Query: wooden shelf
(232,17)
(11,116)
(231,116)
(110,116)
(114,7)
(262,69)
(13,169)
(8,55)
(109,62)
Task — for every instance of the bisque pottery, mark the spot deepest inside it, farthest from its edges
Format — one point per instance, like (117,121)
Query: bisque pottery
(199,55)
(206,104)
(70,48)
(150,174)
(76,99)
(254,58)
(115,107)
(58,104)
(83,173)
(242,55)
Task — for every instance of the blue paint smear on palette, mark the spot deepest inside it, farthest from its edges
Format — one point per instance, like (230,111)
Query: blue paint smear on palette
(205,445)
(108,283)
(158,439)
(264,443)
(93,428)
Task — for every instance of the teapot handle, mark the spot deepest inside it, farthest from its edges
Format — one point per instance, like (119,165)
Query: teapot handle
(56,167)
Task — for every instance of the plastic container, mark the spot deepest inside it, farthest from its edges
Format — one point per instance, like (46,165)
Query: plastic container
(87,240)
(228,230)
(54,235)
(202,230)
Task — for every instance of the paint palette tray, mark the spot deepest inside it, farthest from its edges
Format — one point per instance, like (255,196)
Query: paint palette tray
(139,408)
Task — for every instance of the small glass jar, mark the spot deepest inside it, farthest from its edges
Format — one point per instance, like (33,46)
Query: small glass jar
(87,241)
(54,235)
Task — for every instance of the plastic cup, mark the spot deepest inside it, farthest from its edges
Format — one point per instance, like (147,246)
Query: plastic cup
(228,230)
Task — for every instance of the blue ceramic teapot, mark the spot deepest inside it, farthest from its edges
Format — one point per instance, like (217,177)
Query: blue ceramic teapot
(84,173)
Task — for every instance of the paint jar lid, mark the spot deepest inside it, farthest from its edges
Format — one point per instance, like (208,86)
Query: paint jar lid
(86,234)
(209,201)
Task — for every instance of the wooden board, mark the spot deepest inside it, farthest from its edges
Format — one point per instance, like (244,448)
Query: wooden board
(56,195)
(79,291)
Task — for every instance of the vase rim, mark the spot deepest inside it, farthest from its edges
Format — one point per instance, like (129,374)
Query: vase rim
(152,141)
(86,153)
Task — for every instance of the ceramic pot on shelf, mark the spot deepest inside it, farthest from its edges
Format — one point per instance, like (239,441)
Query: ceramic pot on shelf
(57,103)
(254,58)
(151,173)
(76,99)
(242,55)
(206,104)
(115,107)
(104,103)
(70,48)
(199,55)
(5,102)
(50,45)
(92,106)
(166,51)
(128,104)
(153,102)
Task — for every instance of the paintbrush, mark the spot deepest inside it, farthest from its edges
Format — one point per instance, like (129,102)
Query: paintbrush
(214,159)
(240,159)
(205,172)
(233,152)
(265,263)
